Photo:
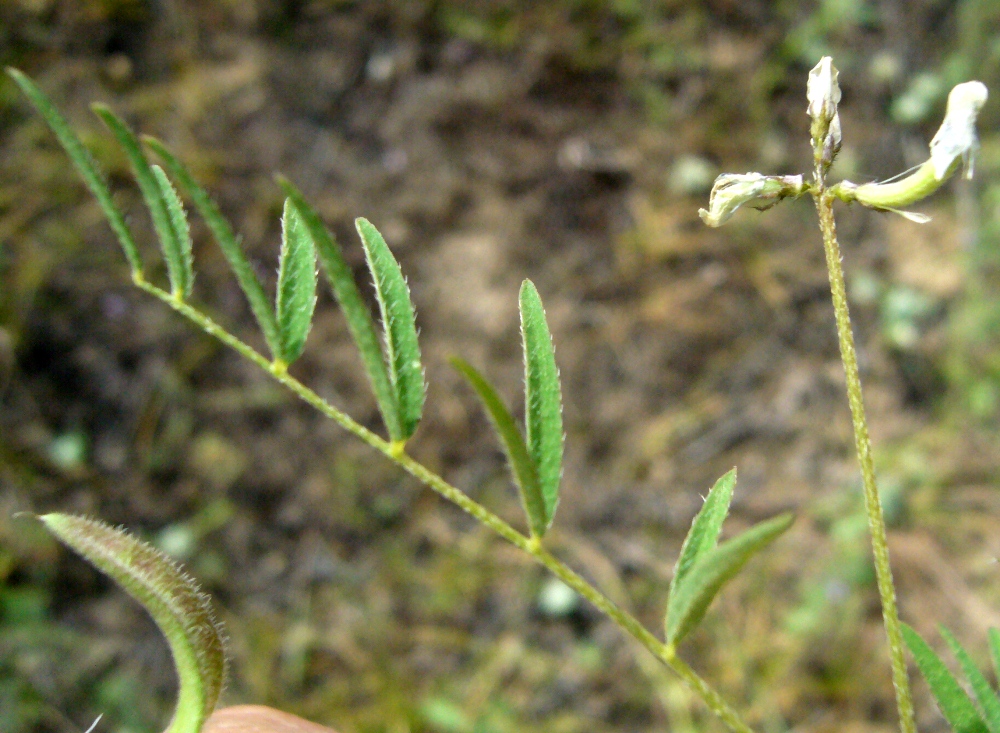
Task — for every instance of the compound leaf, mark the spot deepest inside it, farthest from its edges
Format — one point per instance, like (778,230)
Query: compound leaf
(705,528)
(542,398)
(227,241)
(522,466)
(170,239)
(406,375)
(356,312)
(989,704)
(691,598)
(85,165)
(178,255)
(954,704)
(296,296)
(182,612)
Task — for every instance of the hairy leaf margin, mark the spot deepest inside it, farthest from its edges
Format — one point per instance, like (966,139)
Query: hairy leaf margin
(686,607)
(542,397)
(522,465)
(406,373)
(181,611)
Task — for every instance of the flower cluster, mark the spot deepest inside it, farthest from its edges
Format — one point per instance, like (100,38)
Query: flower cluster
(954,144)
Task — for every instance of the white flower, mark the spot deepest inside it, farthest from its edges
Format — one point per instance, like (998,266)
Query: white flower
(732,190)
(957,134)
(955,139)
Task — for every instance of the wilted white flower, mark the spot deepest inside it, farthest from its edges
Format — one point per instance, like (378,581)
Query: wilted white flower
(957,134)
(733,190)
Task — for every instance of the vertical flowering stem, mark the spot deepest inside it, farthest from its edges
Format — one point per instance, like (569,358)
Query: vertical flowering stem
(823,93)
(954,144)
(873,504)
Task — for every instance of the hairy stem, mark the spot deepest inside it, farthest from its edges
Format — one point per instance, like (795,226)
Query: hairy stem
(624,620)
(873,504)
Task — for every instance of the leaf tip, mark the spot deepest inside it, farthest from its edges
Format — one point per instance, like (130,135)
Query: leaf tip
(153,142)
(104,112)
(528,288)
(54,521)
(365,228)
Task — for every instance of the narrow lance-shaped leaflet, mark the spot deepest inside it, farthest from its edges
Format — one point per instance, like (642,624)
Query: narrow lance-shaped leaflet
(989,704)
(522,465)
(295,299)
(228,242)
(171,244)
(402,348)
(182,269)
(954,704)
(356,312)
(687,605)
(182,612)
(993,637)
(542,398)
(85,164)
(705,528)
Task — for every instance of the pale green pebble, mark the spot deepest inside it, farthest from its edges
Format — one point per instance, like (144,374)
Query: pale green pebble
(885,67)
(917,102)
(69,450)
(691,174)
(556,599)
(178,541)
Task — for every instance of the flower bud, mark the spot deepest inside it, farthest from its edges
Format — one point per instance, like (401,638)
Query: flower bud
(733,190)
(823,93)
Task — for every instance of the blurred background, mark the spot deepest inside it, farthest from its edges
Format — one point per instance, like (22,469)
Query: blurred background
(571,142)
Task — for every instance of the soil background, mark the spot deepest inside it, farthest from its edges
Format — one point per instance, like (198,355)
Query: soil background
(569,142)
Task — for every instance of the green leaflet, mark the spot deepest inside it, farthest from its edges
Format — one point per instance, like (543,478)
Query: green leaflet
(989,704)
(178,255)
(182,612)
(705,528)
(955,705)
(170,239)
(356,312)
(399,325)
(522,466)
(542,398)
(227,241)
(713,569)
(85,166)
(993,636)
(296,296)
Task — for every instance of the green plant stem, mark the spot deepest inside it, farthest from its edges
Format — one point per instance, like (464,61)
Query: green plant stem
(666,653)
(862,443)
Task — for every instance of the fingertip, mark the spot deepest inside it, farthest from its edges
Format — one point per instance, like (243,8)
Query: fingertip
(259,719)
